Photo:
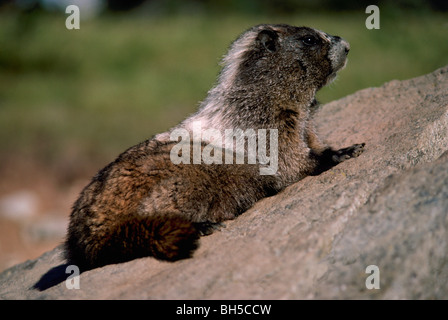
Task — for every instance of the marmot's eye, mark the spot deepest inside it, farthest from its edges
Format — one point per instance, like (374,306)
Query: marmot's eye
(310,40)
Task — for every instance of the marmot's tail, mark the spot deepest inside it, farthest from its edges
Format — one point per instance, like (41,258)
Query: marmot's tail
(167,237)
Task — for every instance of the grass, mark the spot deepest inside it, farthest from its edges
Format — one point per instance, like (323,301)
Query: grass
(79,97)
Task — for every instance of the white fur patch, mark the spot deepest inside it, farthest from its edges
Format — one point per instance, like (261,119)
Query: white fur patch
(234,57)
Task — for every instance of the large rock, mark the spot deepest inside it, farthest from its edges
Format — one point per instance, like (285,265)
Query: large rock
(387,208)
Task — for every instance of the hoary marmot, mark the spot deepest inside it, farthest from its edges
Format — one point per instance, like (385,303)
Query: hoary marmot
(146,204)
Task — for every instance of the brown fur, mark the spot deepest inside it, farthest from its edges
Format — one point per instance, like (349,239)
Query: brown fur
(144,205)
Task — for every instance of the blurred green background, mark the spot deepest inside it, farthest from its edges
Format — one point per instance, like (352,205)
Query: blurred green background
(72,100)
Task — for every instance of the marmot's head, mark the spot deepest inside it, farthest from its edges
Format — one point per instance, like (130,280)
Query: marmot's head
(298,58)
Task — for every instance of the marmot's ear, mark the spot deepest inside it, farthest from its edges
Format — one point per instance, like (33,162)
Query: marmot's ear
(268,38)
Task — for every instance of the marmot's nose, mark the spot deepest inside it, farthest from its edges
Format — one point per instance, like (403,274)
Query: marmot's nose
(346,46)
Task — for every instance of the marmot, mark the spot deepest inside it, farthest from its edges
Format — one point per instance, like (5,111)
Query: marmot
(143,204)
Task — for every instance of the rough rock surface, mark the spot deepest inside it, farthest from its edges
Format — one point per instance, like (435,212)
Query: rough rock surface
(388,208)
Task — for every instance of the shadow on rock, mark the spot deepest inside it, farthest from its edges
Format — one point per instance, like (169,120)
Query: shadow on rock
(53,277)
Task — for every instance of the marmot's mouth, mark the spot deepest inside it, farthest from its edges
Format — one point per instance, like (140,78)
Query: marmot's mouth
(336,65)
(340,66)
(334,72)
(331,77)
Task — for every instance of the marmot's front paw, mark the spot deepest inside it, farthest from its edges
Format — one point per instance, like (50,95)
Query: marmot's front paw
(349,152)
